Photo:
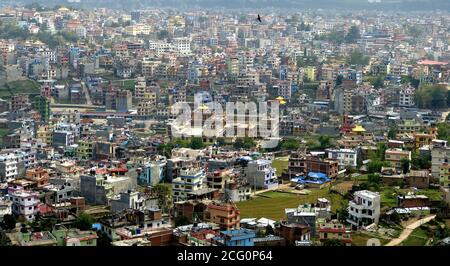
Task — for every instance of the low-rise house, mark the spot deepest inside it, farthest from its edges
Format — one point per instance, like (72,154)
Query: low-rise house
(299,164)
(418,178)
(75,237)
(390,176)
(293,233)
(334,230)
(307,214)
(235,238)
(36,239)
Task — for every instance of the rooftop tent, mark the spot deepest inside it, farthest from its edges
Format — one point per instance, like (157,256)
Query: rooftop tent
(317,175)
(245,158)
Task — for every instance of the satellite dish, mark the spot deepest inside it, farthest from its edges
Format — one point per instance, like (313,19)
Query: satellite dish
(373,242)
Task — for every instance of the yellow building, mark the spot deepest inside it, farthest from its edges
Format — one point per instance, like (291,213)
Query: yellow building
(85,149)
(444,174)
(310,73)
(421,140)
(44,133)
(395,157)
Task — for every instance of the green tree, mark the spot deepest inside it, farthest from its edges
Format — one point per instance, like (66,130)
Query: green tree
(374,166)
(432,97)
(181,220)
(333,243)
(324,142)
(163,194)
(358,58)
(197,143)
(353,34)
(289,144)
(244,143)
(404,162)
(378,82)
(9,222)
(163,34)
(443,131)
(420,161)
(392,133)
(84,222)
(339,80)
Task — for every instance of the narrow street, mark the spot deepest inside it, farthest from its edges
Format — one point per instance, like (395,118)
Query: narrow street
(408,230)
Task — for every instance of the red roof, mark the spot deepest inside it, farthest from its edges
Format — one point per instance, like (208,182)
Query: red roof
(431,62)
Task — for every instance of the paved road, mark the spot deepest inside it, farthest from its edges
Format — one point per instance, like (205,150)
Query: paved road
(408,230)
(86,93)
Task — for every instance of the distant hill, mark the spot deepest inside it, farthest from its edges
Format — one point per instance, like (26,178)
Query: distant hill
(397,5)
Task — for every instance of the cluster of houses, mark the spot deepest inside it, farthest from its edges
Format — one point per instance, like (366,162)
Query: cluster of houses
(93,131)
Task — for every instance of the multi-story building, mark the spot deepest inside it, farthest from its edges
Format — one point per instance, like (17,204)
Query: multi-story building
(300,164)
(24,203)
(10,166)
(261,174)
(226,215)
(345,157)
(190,180)
(444,174)
(406,97)
(395,157)
(440,154)
(364,209)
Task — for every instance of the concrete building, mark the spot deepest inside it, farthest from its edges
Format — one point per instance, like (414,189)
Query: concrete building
(260,174)
(24,203)
(190,180)
(226,215)
(345,157)
(395,157)
(364,209)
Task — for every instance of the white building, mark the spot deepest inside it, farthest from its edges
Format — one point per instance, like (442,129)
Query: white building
(261,174)
(440,154)
(9,166)
(182,46)
(406,97)
(364,209)
(345,157)
(24,203)
(190,180)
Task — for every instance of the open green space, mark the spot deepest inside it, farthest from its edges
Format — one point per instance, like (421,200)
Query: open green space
(272,204)
(418,237)
(280,164)
(20,86)
(361,238)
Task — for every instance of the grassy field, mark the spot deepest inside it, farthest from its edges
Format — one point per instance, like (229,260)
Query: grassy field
(360,239)
(388,197)
(272,204)
(418,237)
(20,86)
(3,132)
(280,164)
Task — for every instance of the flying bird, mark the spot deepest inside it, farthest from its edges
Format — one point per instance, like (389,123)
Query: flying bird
(259,18)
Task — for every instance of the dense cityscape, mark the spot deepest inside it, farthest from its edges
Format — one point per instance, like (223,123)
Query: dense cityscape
(114,131)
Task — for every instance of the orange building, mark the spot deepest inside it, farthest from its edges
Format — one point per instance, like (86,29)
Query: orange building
(38,175)
(226,215)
